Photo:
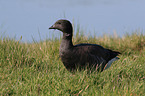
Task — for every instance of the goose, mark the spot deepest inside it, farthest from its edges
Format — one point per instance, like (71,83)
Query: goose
(83,55)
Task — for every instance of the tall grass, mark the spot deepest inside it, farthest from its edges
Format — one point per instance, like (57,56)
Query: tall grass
(35,68)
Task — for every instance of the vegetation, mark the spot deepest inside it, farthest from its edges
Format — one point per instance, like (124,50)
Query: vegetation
(36,69)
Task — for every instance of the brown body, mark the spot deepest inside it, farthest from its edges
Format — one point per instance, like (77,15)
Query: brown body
(82,55)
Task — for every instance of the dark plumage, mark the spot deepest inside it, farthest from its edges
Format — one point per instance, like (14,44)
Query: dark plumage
(82,55)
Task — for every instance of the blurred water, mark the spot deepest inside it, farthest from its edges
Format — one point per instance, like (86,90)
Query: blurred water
(31,18)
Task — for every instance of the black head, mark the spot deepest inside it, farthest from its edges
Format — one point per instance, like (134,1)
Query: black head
(63,25)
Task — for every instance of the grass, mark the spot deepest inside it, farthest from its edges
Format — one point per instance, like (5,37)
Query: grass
(36,69)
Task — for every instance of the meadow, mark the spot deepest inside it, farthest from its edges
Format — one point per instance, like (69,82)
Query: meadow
(35,69)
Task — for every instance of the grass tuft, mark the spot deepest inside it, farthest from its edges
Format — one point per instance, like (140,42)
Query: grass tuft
(35,68)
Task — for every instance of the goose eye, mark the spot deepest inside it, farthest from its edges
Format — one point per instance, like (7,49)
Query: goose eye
(58,23)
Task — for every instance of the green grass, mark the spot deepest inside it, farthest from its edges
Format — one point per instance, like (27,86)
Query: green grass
(36,69)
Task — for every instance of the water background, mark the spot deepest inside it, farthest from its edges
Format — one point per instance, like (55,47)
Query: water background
(31,18)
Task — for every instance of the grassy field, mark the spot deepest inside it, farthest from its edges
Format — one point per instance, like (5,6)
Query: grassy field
(35,69)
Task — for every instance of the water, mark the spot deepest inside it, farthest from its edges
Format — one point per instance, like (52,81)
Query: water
(31,18)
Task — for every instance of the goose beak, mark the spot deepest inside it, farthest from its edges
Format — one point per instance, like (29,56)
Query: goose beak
(52,27)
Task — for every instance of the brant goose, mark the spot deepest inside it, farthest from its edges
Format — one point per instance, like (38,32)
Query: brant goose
(82,55)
